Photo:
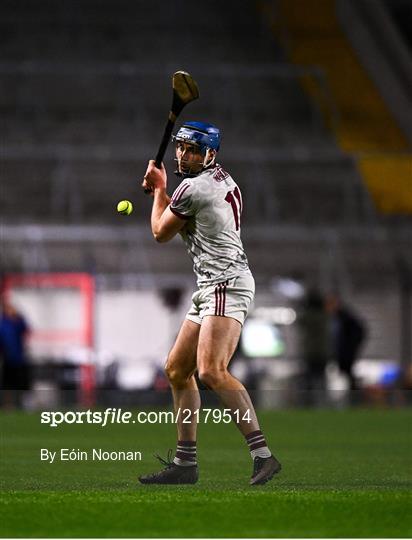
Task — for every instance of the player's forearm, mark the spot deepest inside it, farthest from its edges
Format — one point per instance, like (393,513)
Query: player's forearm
(161,201)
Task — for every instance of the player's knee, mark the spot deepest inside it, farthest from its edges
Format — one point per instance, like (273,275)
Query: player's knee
(172,374)
(212,377)
(175,375)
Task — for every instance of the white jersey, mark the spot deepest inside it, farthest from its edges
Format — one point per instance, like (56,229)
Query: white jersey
(212,205)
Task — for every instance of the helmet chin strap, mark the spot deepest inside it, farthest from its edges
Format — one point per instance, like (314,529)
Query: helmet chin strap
(206,165)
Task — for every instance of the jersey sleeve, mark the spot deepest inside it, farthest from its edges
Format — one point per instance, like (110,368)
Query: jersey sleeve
(183,202)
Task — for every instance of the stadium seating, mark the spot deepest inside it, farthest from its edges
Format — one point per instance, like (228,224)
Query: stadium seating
(366,126)
(83,104)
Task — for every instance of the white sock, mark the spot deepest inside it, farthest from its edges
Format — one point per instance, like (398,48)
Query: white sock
(257,444)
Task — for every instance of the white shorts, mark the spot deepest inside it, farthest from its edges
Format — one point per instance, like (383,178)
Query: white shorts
(231,298)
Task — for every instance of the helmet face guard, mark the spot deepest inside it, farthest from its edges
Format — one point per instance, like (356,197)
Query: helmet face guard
(189,165)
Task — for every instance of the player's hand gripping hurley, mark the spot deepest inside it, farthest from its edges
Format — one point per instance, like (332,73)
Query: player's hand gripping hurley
(185,90)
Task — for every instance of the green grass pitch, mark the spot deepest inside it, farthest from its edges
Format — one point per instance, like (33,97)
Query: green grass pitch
(345,474)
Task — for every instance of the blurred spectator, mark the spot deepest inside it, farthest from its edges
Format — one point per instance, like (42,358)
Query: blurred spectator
(405,383)
(315,346)
(15,366)
(348,334)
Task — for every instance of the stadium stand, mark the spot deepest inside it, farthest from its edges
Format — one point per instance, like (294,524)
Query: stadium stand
(366,128)
(89,111)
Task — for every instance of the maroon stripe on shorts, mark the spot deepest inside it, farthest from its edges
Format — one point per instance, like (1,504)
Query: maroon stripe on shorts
(224,297)
(220,298)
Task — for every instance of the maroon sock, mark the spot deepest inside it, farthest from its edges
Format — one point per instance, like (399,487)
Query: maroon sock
(257,444)
(185,454)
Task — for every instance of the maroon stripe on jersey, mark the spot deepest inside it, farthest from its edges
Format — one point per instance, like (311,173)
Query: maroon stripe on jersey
(238,196)
(216,299)
(178,214)
(178,190)
(179,195)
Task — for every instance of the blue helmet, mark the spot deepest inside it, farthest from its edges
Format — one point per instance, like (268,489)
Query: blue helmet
(200,133)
